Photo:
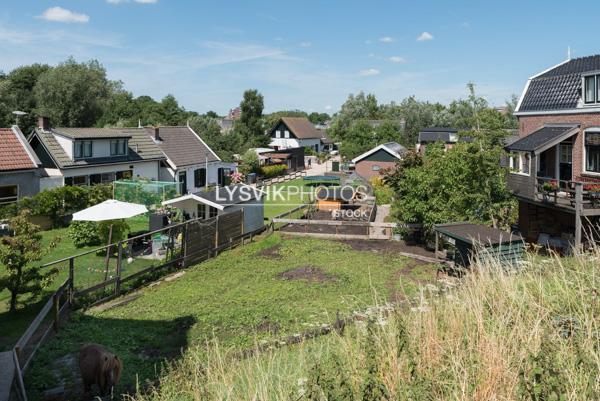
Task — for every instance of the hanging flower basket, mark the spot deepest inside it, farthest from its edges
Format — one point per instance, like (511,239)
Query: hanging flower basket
(549,188)
(593,193)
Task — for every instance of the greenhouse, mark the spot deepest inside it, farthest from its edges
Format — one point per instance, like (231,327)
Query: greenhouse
(148,193)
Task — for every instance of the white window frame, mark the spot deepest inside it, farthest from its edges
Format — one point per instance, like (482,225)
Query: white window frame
(287,134)
(376,167)
(517,158)
(4,201)
(596,92)
(594,130)
(277,134)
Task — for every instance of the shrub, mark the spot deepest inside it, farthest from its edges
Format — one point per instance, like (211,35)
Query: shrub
(274,170)
(250,162)
(84,233)
(384,194)
(120,228)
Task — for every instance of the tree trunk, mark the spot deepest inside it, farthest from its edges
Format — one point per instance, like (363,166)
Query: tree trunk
(13,302)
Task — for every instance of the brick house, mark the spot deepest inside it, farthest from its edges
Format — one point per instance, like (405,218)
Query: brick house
(555,163)
(381,157)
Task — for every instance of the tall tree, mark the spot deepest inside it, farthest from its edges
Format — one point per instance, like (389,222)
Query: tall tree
(18,255)
(225,145)
(74,94)
(250,125)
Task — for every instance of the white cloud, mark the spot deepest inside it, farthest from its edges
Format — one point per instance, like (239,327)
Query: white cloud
(397,59)
(59,14)
(424,37)
(305,44)
(328,107)
(387,39)
(369,72)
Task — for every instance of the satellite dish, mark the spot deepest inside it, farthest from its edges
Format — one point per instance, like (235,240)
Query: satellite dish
(18,114)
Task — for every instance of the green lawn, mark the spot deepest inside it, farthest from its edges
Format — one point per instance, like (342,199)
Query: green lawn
(89,270)
(288,198)
(270,288)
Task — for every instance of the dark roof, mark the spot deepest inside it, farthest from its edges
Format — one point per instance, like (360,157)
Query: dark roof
(542,137)
(558,88)
(345,193)
(92,133)
(395,147)
(182,146)
(325,139)
(437,135)
(230,195)
(141,148)
(15,152)
(301,127)
(477,233)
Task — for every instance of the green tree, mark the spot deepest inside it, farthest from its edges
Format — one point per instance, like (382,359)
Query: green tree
(250,162)
(225,145)
(273,118)
(18,255)
(318,118)
(74,94)
(121,110)
(250,124)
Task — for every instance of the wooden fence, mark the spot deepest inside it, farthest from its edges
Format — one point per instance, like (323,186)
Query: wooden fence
(187,243)
(283,178)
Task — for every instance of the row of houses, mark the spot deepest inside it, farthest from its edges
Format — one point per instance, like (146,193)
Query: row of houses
(56,156)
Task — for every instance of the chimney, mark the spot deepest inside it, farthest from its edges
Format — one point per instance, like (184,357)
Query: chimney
(157,133)
(44,123)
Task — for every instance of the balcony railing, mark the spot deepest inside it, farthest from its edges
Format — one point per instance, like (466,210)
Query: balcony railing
(570,194)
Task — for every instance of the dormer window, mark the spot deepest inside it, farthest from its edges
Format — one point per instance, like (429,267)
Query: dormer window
(118,147)
(591,89)
(83,149)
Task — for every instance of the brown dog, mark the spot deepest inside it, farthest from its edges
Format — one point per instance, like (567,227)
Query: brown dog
(99,366)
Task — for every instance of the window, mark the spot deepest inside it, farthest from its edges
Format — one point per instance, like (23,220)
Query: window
(202,211)
(277,134)
(566,153)
(287,133)
(591,89)
(592,152)
(9,194)
(223,176)
(124,175)
(375,167)
(200,178)
(79,180)
(520,162)
(83,149)
(212,212)
(118,147)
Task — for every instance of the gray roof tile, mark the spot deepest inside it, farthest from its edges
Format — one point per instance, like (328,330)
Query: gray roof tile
(182,146)
(541,137)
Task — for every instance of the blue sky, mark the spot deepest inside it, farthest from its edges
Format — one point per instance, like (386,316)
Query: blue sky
(303,54)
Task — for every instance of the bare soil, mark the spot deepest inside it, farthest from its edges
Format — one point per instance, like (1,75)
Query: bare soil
(387,247)
(307,273)
(271,252)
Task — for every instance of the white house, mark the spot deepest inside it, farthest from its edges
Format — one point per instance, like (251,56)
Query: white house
(189,160)
(294,132)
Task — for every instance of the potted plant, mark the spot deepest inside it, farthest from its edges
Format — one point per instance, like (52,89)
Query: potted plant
(548,188)
(593,193)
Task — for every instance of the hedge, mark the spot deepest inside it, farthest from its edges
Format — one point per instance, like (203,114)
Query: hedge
(273,171)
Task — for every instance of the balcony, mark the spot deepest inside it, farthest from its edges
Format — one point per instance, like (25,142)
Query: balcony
(574,196)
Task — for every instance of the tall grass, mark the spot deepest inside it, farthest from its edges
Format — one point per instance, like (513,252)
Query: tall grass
(530,335)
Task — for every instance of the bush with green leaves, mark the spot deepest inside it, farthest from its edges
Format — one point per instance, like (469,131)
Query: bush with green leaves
(273,171)
(84,233)
(120,228)
(250,162)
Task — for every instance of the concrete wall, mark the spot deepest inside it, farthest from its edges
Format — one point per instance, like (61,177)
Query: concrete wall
(27,181)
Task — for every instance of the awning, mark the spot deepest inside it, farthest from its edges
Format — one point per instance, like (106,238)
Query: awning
(278,155)
(110,210)
(544,138)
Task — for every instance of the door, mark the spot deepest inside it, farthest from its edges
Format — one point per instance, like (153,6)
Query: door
(566,162)
(183,182)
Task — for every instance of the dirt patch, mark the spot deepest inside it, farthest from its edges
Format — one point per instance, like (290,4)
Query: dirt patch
(405,272)
(308,273)
(267,326)
(387,247)
(271,252)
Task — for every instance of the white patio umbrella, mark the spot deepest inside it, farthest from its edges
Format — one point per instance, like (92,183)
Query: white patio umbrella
(110,209)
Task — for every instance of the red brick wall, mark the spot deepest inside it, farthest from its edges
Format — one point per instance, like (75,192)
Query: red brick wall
(529,124)
(364,168)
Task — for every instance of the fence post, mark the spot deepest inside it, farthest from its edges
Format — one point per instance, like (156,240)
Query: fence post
(217,232)
(71,280)
(56,310)
(184,243)
(119,261)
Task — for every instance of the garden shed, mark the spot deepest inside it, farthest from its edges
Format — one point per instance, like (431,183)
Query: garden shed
(470,240)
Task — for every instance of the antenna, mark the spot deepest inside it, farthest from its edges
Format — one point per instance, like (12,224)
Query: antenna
(568,52)
(18,114)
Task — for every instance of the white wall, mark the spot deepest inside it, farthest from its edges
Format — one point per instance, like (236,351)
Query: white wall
(147,169)
(212,175)
(286,143)
(66,144)
(100,147)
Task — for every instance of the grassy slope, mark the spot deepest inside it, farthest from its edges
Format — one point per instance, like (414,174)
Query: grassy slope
(229,298)
(89,270)
(476,343)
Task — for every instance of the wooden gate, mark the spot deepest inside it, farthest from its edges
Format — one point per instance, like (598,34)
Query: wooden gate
(199,240)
